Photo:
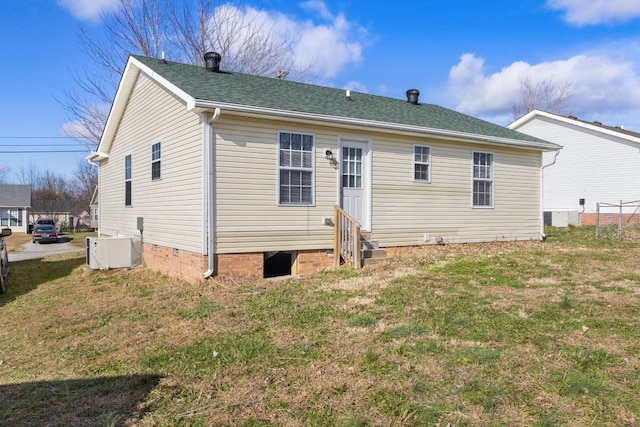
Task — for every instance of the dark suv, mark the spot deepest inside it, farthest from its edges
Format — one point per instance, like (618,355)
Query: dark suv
(4,259)
(45,221)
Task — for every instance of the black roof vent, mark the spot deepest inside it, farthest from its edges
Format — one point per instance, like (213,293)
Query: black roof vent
(412,96)
(212,61)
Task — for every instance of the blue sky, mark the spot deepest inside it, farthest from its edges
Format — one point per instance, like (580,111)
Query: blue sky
(468,56)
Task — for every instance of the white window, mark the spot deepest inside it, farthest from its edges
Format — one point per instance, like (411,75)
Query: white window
(482,179)
(296,168)
(156,157)
(127,180)
(422,163)
(11,217)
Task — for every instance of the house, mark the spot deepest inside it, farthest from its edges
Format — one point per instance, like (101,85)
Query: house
(219,173)
(93,206)
(598,164)
(57,210)
(15,202)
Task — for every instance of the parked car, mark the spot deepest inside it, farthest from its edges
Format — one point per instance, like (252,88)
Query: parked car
(4,259)
(44,233)
(43,221)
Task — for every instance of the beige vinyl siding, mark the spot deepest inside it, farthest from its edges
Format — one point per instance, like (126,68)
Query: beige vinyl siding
(404,210)
(248,217)
(172,206)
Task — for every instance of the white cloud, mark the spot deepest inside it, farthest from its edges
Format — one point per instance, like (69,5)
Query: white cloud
(327,48)
(326,42)
(89,10)
(585,12)
(597,84)
(320,7)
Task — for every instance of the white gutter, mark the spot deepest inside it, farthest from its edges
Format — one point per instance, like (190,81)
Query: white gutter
(555,157)
(374,124)
(208,217)
(96,156)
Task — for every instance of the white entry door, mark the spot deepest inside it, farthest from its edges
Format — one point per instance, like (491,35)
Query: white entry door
(354,181)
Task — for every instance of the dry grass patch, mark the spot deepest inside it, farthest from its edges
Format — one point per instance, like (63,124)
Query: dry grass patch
(16,240)
(488,334)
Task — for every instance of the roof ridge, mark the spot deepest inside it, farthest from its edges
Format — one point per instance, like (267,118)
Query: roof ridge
(269,95)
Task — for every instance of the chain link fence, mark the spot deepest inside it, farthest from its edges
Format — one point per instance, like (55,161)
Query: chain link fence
(614,218)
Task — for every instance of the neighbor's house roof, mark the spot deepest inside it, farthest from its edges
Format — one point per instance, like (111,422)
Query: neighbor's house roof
(15,196)
(616,131)
(257,96)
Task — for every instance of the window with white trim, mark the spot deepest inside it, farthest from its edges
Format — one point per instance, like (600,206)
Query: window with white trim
(296,167)
(11,217)
(127,180)
(422,163)
(482,179)
(156,157)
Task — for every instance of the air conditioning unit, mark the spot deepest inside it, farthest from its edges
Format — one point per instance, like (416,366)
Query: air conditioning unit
(110,252)
(564,218)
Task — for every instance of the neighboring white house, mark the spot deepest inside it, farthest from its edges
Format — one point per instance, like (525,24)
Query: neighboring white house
(95,209)
(15,202)
(217,171)
(597,164)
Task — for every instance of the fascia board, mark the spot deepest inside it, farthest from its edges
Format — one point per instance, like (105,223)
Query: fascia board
(117,107)
(524,119)
(184,96)
(460,136)
(125,88)
(585,125)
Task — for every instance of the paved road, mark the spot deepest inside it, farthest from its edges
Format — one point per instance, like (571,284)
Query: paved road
(37,250)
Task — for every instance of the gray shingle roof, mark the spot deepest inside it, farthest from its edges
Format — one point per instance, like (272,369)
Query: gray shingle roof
(282,95)
(611,128)
(15,196)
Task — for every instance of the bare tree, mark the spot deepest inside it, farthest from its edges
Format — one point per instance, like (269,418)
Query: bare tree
(138,27)
(249,43)
(50,193)
(54,196)
(84,182)
(546,95)
(51,196)
(4,172)
(28,175)
(252,44)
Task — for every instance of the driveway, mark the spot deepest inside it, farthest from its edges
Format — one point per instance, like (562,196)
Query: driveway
(38,250)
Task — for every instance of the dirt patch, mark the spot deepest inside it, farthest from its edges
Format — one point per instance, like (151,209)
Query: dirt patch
(16,241)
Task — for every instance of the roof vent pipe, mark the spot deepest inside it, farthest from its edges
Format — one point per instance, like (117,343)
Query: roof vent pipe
(212,61)
(412,96)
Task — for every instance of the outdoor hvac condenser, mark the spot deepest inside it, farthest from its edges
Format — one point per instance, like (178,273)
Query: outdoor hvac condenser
(109,252)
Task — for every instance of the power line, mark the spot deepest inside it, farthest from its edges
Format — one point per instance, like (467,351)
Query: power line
(41,137)
(36,145)
(43,151)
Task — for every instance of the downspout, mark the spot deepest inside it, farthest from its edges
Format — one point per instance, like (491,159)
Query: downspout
(91,162)
(542,235)
(207,209)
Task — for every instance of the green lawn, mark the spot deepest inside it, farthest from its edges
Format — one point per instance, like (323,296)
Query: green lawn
(501,334)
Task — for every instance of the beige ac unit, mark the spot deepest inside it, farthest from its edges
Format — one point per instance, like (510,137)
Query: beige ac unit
(109,252)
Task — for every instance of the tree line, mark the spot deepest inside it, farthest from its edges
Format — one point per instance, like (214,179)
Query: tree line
(53,194)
